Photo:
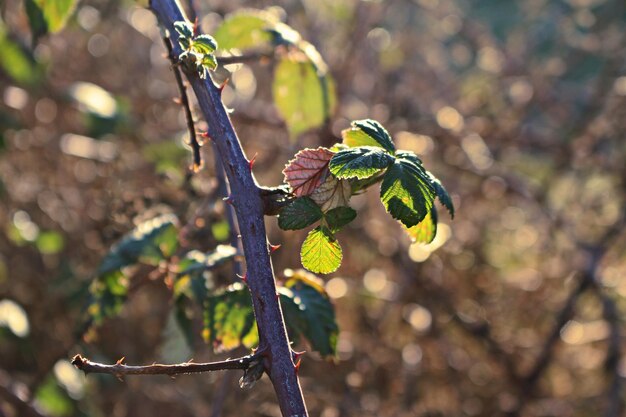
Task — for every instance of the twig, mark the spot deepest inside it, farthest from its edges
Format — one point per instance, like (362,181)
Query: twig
(184,101)
(120,370)
(242,59)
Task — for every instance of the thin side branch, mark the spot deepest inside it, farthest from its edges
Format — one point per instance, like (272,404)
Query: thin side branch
(184,101)
(120,369)
(245,58)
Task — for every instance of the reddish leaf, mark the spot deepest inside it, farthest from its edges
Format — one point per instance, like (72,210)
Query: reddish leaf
(307,170)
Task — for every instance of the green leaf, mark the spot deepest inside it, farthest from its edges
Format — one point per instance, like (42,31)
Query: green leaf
(304,97)
(426,230)
(302,212)
(108,294)
(442,194)
(406,190)
(321,253)
(245,29)
(209,62)
(192,280)
(361,162)
(309,313)
(205,44)
(339,217)
(184,29)
(48,16)
(150,242)
(229,319)
(50,243)
(368,132)
(14,61)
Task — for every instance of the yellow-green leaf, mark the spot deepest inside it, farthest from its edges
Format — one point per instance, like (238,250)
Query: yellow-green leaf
(246,29)
(321,253)
(426,230)
(305,98)
(48,16)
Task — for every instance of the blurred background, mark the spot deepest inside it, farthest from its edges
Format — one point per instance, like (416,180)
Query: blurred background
(517,307)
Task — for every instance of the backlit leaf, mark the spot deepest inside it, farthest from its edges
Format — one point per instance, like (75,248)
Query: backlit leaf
(108,294)
(368,132)
(150,242)
(229,319)
(307,170)
(304,96)
(14,62)
(194,263)
(406,190)
(332,193)
(361,162)
(339,217)
(309,312)
(48,16)
(302,212)
(442,194)
(426,230)
(321,253)
(246,29)
(205,44)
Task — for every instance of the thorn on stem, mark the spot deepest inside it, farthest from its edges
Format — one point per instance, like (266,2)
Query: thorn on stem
(195,27)
(273,248)
(243,277)
(297,365)
(222,85)
(252,161)
(120,361)
(229,200)
(204,135)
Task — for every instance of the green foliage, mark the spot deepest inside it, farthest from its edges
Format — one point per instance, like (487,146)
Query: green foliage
(305,98)
(246,29)
(406,191)
(150,243)
(366,157)
(15,62)
(229,319)
(197,55)
(52,399)
(302,212)
(50,242)
(426,230)
(48,16)
(361,162)
(309,312)
(320,252)
(304,92)
(368,132)
(339,217)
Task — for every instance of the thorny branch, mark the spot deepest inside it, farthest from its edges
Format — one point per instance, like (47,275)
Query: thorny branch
(121,370)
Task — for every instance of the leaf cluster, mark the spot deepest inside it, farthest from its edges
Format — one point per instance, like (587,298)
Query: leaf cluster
(303,89)
(323,180)
(197,55)
(225,312)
